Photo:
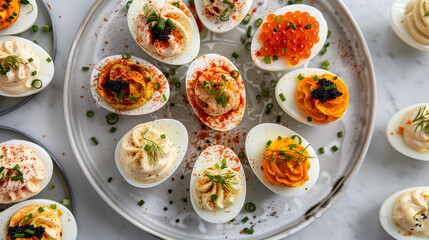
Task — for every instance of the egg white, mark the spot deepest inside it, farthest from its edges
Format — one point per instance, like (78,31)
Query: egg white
(281,64)
(256,141)
(205,62)
(397,16)
(46,70)
(191,52)
(288,86)
(397,141)
(207,159)
(44,157)
(386,213)
(219,26)
(178,134)
(149,107)
(25,20)
(67,219)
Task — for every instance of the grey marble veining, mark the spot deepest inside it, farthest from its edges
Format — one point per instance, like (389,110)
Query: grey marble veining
(402,80)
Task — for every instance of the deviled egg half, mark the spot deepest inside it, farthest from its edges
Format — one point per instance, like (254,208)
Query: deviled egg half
(281,159)
(38,219)
(25,68)
(25,170)
(312,96)
(17,16)
(128,85)
(410,22)
(290,37)
(408,131)
(150,152)
(216,91)
(164,29)
(404,215)
(222,15)
(218,185)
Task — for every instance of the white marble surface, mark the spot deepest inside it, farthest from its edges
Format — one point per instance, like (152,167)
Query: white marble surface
(402,80)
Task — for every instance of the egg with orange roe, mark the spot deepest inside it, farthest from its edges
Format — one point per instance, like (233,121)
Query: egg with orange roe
(312,96)
(289,37)
(282,160)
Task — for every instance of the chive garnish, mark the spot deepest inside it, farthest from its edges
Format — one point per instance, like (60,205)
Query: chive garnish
(322,150)
(265,93)
(47,28)
(40,209)
(48,60)
(156,86)
(270,106)
(30,59)
(335,148)
(273,83)
(275,57)
(112,118)
(278,119)
(234,74)
(315,78)
(52,187)
(35,28)
(267,59)
(248,230)
(141,203)
(329,33)
(284,49)
(235,55)
(164,97)
(331,87)
(294,26)
(276,29)
(248,46)
(282,97)
(279,138)
(250,207)
(85,68)
(244,220)
(30,232)
(294,137)
(213,197)
(325,63)
(308,26)
(258,22)
(300,76)
(109,179)
(147,148)
(323,52)
(66,202)
(35,41)
(163,136)
(16,178)
(128,4)
(309,119)
(112,129)
(126,55)
(161,24)
(53,206)
(258,97)
(170,24)
(94,140)
(231,5)
(340,134)
(34,73)
(269,142)
(247,18)
(224,18)
(18,235)
(249,31)
(37,84)
(241,155)
(176,4)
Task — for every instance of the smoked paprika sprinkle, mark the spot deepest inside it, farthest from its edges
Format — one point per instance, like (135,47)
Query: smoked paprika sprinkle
(289,37)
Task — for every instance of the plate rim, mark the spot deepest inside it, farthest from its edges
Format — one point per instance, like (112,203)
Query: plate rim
(338,188)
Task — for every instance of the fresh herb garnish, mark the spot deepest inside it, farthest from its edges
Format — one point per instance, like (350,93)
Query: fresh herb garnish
(294,157)
(155,150)
(223,180)
(421,119)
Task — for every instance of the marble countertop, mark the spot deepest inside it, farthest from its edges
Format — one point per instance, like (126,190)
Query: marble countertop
(402,80)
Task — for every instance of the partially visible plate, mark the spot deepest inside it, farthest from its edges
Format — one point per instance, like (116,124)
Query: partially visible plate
(169,214)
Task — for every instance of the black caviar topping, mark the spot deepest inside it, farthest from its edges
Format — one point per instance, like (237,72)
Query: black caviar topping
(38,231)
(323,95)
(115,86)
(160,35)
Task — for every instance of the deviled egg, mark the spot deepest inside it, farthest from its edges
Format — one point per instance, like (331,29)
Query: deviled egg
(129,85)
(408,131)
(312,96)
(25,170)
(17,16)
(410,21)
(222,15)
(281,159)
(164,29)
(25,68)
(404,215)
(289,37)
(38,219)
(150,153)
(218,185)
(216,91)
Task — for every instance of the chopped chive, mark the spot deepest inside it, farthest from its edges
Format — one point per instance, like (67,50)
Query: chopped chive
(48,60)
(335,148)
(34,73)
(267,59)
(89,113)
(232,220)
(241,155)
(163,136)
(47,28)
(224,18)
(37,84)
(128,4)
(315,78)
(248,230)
(322,150)
(268,111)
(288,24)
(294,26)
(331,87)
(161,24)
(164,97)
(170,24)
(5,6)
(269,142)
(279,138)
(147,148)
(247,18)
(258,22)
(282,152)
(35,28)
(156,86)
(217,166)
(309,119)
(109,179)
(166,74)
(329,33)
(29,232)
(85,68)
(249,31)
(53,206)
(323,52)
(340,134)
(265,93)
(141,203)
(308,26)
(40,209)
(248,46)
(112,129)
(94,140)
(335,78)
(278,19)
(35,41)
(278,119)
(244,220)
(284,49)
(30,59)
(132,98)
(235,55)
(292,145)
(2,168)
(173,71)
(213,197)
(231,5)
(258,97)
(276,29)
(270,106)
(66,202)
(300,76)
(126,55)
(234,74)
(16,178)
(52,187)
(325,63)
(18,235)
(327,45)
(297,137)
(112,118)
(176,4)
(282,97)
(273,83)
(275,57)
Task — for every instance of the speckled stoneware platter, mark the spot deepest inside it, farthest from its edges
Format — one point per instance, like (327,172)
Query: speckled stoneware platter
(169,214)
(46,40)
(59,179)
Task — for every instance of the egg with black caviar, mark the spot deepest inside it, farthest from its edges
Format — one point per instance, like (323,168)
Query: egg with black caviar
(408,131)
(129,85)
(16,16)
(218,185)
(289,37)
(282,160)
(149,153)
(221,16)
(40,217)
(164,29)
(312,96)
(25,68)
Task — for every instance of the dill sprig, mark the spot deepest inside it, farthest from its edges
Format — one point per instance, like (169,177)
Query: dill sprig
(297,157)
(421,119)
(155,150)
(222,180)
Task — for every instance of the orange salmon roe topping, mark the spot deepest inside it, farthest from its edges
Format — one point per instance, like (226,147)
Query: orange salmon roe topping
(290,36)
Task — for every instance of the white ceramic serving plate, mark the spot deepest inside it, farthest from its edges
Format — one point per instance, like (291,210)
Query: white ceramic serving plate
(276,216)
